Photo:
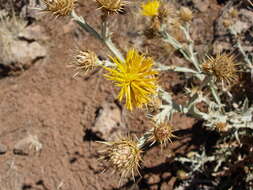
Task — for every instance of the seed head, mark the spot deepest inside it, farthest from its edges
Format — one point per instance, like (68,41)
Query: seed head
(123,155)
(222,67)
(162,133)
(59,7)
(84,61)
(112,6)
(136,78)
(150,8)
(185,14)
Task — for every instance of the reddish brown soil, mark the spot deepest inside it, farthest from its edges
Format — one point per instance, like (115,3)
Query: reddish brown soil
(45,101)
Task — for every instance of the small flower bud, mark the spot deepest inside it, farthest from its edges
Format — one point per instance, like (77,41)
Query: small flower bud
(154,105)
(182,175)
(185,14)
(227,23)
(221,126)
(233,12)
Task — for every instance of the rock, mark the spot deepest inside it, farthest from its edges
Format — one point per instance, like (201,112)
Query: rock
(108,122)
(201,5)
(20,49)
(3,149)
(28,146)
(32,33)
(27,52)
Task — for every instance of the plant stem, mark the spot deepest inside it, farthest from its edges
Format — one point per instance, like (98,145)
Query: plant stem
(106,41)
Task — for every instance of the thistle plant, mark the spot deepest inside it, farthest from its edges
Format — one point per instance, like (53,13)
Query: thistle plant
(135,76)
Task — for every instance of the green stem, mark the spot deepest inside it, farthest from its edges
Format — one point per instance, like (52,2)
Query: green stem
(106,41)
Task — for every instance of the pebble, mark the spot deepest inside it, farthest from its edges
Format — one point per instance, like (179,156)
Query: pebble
(3,149)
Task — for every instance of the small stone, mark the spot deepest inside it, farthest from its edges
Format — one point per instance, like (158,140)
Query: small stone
(3,149)
(108,121)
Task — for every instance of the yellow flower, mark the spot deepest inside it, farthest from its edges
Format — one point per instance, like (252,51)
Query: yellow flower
(135,77)
(151,8)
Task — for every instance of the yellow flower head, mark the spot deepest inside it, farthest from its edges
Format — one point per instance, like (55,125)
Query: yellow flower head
(151,8)
(59,7)
(135,77)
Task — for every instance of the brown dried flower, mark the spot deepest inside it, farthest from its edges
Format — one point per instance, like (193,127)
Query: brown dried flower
(84,61)
(166,10)
(112,6)
(222,67)
(185,14)
(59,7)
(123,155)
(162,133)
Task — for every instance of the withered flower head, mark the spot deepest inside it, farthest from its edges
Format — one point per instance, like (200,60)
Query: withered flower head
(185,14)
(222,67)
(123,155)
(112,6)
(162,133)
(59,7)
(84,61)
(166,10)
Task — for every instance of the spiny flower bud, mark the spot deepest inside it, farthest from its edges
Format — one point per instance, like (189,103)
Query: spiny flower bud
(84,61)
(221,126)
(182,175)
(162,133)
(233,12)
(154,105)
(59,7)
(112,6)
(227,23)
(223,67)
(123,155)
(185,14)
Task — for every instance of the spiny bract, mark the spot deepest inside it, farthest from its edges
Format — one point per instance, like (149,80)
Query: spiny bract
(59,7)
